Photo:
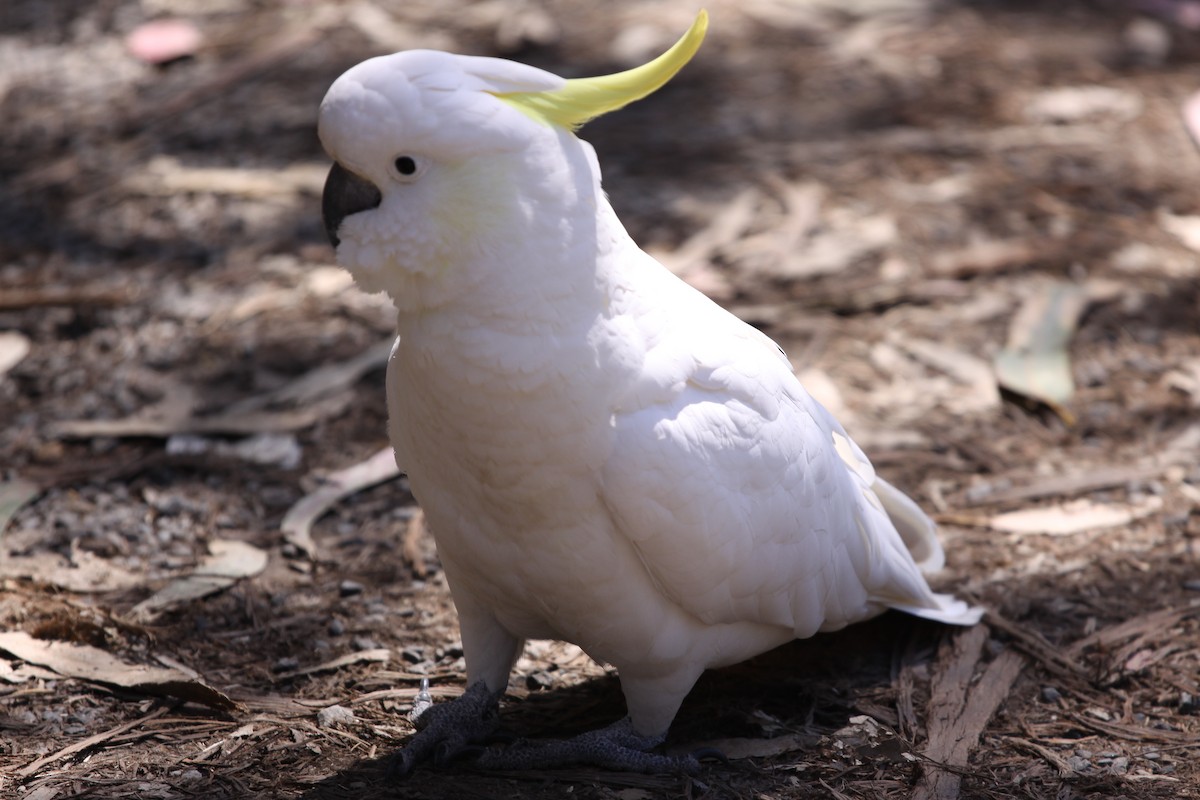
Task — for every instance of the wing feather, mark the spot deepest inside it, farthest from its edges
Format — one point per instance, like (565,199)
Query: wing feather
(744,497)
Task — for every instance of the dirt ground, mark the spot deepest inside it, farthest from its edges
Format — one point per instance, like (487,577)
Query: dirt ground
(896,190)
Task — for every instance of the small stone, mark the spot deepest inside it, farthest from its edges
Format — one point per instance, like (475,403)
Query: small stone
(349,588)
(191,775)
(1079,764)
(334,715)
(361,643)
(286,664)
(1187,703)
(1119,765)
(413,655)
(1192,585)
(1152,755)
(1050,694)
(336,627)
(1084,753)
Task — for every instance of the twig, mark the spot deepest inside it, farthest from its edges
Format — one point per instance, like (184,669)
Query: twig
(91,741)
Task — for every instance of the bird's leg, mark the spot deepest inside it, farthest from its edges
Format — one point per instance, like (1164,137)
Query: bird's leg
(448,729)
(616,747)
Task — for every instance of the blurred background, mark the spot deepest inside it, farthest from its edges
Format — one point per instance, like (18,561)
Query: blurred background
(974,227)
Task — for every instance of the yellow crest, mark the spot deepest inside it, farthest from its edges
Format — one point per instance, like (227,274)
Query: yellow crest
(584,99)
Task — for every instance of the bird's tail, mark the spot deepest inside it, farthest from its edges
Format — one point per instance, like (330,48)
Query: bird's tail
(915,527)
(949,610)
(919,534)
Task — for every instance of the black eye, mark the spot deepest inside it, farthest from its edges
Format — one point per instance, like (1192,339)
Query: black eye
(405,165)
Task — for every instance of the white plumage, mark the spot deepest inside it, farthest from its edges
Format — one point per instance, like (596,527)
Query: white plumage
(604,455)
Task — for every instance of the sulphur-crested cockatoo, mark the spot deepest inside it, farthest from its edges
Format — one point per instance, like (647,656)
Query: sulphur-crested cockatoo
(603,455)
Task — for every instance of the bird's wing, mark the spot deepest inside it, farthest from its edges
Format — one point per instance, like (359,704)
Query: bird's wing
(744,497)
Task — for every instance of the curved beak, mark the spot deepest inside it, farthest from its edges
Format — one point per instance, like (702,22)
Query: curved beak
(345,193)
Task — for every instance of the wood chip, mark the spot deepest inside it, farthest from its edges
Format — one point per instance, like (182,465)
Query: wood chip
(959,709)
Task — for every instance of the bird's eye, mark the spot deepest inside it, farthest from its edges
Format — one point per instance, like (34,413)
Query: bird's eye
(406,166)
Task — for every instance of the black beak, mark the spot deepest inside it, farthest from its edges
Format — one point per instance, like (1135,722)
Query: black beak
(345,194)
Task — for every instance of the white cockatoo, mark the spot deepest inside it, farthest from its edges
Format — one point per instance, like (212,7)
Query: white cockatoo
(603,455)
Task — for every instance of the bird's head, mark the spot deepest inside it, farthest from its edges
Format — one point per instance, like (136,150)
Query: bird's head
(440,159)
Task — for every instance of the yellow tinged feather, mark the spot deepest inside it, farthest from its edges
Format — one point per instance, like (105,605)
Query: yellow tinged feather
(584,99)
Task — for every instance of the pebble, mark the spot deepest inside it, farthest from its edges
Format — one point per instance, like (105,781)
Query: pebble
(1050,694)
(349,588)
(1079,764)
(286,664)
(333,715)
(336,627)
(1192,585)
(413,655)
(1119,765)
(451,652)
(361,643)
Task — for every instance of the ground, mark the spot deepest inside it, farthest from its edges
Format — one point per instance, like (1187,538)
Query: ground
(896,191)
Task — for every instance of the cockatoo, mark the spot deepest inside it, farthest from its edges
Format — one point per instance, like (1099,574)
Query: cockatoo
(603,455)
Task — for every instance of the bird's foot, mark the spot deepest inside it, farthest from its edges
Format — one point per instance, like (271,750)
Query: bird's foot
(447,730)
(617,747)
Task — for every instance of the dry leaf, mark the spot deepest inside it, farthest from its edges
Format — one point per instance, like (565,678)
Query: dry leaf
(93,664)
(14,494)
(324,392)
(84,572)
(166,176)
(230,560)
(13,347)
(381,654)
(271,449)
(1074,517)
(252,422)
(977,385)
(1185,228)
(297,523)
(1035,363)
(163,40)
(1065,104)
